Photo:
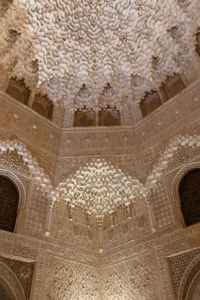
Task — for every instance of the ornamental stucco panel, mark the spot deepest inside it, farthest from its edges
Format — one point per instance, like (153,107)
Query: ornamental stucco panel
(70,280)
(132,279)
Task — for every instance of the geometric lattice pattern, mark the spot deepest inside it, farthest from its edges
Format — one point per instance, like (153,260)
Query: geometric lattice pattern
(177,266)
(73,281)
(129,280)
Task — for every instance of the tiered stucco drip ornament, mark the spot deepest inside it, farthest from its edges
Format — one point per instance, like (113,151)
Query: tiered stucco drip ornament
(95,42)
(99,189)
(37,173)
(174,144)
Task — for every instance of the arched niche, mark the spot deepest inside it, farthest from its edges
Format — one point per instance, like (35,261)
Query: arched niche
(43,106)
(9,201)
(18,90)
(84,118)
(109,117)
(150,103)
(189,195)
(172,86)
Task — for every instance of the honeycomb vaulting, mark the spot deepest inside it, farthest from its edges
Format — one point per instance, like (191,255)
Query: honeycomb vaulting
(99,150)
(65,44)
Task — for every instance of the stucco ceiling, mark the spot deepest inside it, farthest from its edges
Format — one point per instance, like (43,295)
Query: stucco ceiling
(58,46)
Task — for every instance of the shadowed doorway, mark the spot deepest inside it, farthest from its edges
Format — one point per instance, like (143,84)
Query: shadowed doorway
(9,199)
(189,192)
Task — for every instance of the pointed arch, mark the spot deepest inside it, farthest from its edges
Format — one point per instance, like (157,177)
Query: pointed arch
(10,280)
(189,194)
(37,173)
(168,154)
(176,183)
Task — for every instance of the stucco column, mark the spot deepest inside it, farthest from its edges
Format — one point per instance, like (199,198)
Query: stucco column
(151,215)
(31,99)
(96,117)
(48,221)
(100,231)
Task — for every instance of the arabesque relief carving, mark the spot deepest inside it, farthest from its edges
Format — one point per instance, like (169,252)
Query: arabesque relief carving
(99,125)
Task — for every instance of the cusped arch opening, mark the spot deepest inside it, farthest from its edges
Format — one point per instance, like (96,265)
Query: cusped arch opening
(189,194)
(43,106)
(9,201)
(109,117)
(150,103)
(84,118)
(18,90)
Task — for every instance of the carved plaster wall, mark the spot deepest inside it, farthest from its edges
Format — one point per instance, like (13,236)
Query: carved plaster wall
(143,258)
(131,279)
(71,280)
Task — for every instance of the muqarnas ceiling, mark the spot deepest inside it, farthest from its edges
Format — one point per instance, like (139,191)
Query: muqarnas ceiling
(61,45)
